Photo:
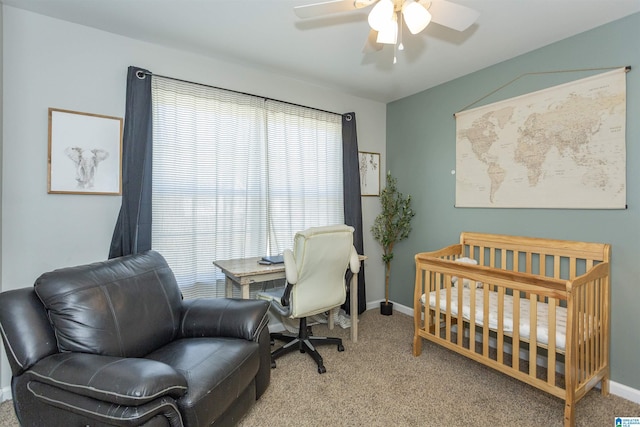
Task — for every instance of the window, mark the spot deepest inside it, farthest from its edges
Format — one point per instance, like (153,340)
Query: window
(236,176)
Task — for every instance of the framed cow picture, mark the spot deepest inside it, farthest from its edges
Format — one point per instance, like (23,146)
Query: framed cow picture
(85,153)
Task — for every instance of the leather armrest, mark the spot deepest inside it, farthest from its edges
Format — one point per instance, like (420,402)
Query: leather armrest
(224,317)
(286,295)
(123,381)
(25,328)
(291,276)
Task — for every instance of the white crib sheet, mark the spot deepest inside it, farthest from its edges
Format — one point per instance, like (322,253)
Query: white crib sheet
(525,330)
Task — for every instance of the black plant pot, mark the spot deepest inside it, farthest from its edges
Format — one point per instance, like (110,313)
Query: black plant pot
(386,308)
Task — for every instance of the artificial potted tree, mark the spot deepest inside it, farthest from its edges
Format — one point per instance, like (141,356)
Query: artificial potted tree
(392,225)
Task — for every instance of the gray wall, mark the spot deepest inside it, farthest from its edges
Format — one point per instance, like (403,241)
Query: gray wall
(421,154)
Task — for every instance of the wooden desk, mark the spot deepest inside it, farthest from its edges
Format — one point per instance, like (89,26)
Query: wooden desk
(243,272)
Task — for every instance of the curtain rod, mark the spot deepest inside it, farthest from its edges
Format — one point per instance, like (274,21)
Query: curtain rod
(142,74)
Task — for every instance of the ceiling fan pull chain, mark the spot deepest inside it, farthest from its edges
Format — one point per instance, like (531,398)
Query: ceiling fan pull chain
(401,46)
(395,58)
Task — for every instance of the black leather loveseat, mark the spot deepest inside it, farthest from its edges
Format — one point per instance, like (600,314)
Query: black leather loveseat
(113,343)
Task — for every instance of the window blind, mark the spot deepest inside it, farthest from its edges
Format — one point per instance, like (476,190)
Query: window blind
(236,176)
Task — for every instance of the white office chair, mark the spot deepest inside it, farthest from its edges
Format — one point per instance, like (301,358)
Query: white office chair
(315,273)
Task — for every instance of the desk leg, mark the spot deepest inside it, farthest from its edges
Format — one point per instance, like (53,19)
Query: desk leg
(354,307)
(330,321)
(228,287)
(245,291)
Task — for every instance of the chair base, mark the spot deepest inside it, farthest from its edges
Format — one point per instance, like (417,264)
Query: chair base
(305,342)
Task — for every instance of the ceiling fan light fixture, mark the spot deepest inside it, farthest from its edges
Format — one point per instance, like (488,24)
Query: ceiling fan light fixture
(416,16)
(381,14)
(389,32)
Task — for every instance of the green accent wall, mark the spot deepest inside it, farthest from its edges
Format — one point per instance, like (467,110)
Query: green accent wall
(421,154)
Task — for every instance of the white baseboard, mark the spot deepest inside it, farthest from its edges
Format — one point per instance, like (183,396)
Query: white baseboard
(624,391)
(5,394)
(615,388)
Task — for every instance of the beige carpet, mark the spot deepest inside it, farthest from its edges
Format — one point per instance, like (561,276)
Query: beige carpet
(377,382)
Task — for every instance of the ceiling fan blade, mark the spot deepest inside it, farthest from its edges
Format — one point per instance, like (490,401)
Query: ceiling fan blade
(325,8)
(371,45)
(450,14)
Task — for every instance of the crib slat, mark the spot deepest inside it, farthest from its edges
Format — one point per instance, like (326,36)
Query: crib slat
(528,266)
(503,259)
(588,320)
(533,335)
(587,337)
(598,323)
(492,257)
(437,315)
(585,325)
(594,327)
(434,318)
(581,340)
(500,334)
(426,279)
(590,327)
(542,270)
(472,320)
(485,320)
(448,311)
(515,350)
(460,327)
(551,343)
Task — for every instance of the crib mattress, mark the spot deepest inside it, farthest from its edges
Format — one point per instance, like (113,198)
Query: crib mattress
(542,329)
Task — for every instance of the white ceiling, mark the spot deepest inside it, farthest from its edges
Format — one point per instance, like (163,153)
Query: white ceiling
(266,34)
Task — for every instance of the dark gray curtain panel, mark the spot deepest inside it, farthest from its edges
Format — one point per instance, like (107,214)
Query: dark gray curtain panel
(352,200)
(132,233)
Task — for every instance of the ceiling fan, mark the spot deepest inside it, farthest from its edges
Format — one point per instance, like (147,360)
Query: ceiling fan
(386,17)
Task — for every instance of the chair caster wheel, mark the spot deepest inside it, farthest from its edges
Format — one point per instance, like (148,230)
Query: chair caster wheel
(322,369)
(273,364)
(340,347)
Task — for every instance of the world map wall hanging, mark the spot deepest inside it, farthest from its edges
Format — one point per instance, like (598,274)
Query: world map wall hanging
(561,147)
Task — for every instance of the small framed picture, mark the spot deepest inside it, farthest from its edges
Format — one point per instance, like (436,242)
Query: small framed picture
(85,153)
(369,164)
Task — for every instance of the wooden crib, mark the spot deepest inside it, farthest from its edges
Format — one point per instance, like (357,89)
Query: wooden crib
(508,298)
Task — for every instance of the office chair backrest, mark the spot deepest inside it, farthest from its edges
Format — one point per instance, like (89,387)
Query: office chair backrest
(322,256)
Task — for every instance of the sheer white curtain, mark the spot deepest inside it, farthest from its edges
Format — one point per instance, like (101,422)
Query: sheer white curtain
(236,176)
(305,171)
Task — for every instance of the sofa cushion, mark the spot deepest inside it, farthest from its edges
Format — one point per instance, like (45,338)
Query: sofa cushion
(124,307)
(217,370)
